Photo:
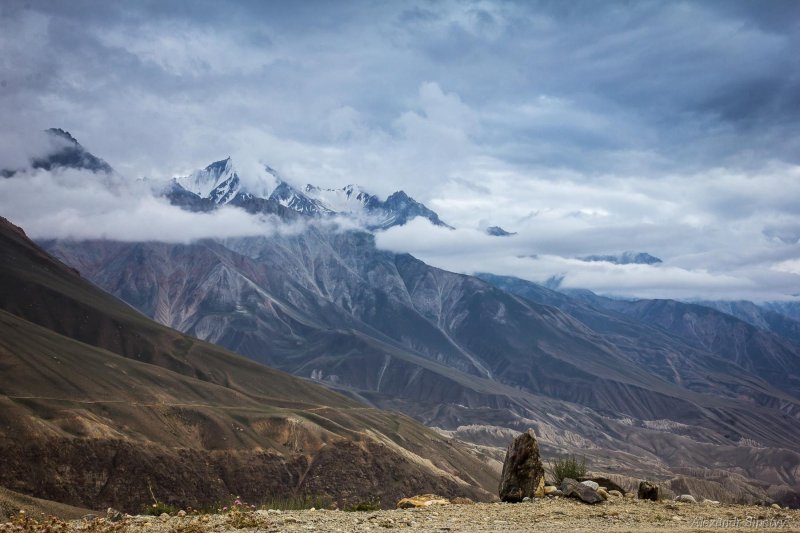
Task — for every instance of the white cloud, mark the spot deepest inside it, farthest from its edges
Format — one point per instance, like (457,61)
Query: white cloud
(74,204)
(537,256)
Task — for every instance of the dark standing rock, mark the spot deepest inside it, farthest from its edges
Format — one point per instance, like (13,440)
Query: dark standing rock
(585,493)
(523,473)
(648,491)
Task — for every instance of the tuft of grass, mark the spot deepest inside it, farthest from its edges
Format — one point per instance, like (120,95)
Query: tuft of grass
(298,503)
(567,467)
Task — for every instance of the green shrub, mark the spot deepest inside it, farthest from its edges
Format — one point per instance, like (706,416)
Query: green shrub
(298,503)
(373,504)
(567,467)
(158,508)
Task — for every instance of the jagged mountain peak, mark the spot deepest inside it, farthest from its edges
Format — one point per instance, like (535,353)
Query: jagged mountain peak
(62,133)
(69,153)
(222,180)
(497,231)
(354,200)
(221,165)
(349,199)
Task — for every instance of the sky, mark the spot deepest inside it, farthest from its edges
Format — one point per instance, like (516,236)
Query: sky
(585,127)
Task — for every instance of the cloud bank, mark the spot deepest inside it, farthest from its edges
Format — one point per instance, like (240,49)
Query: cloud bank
(586,127)
(79,204)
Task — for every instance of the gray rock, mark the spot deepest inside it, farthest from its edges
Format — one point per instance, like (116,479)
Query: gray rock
(112,515)
(604,482)
(648,491)
(685,498)
(585,493)
(591,484)
(523,473)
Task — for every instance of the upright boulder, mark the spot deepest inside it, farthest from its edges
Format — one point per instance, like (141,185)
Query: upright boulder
(648,491)
(523,473)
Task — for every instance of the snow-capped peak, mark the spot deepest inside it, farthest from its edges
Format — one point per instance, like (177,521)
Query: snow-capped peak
(218,180)
(221,181)
(349,199)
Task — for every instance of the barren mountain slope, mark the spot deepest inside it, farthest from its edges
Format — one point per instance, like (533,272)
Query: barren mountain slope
(101,406)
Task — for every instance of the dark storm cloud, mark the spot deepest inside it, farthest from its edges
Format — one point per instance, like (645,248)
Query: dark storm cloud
(668,125)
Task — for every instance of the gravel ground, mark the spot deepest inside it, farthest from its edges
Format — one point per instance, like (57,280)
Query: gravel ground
(539,515)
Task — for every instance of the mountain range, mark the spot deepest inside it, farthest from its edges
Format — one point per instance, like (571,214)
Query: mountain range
(103,407)
(658,389)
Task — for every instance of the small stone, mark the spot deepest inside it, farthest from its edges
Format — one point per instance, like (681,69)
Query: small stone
(591,484)
(550,489)
(585,493)
(648,491)
(181,513)
(685,498)
(112,515)
(164,516)
(423,500)
(775,506)
(602,492)
(526,499)
(615,493)
(539,492)
(604,482)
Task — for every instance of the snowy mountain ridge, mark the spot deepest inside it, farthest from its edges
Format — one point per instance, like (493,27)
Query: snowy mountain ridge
(221,183)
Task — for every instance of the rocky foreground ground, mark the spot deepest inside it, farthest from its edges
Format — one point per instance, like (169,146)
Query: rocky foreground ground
(549,514)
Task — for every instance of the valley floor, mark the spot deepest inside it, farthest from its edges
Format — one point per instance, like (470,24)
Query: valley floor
(539,515)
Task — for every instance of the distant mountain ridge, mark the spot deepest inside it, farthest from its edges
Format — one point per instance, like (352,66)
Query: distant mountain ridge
(625,258)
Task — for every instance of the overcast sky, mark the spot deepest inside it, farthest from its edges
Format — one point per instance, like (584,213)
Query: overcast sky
(586,127)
